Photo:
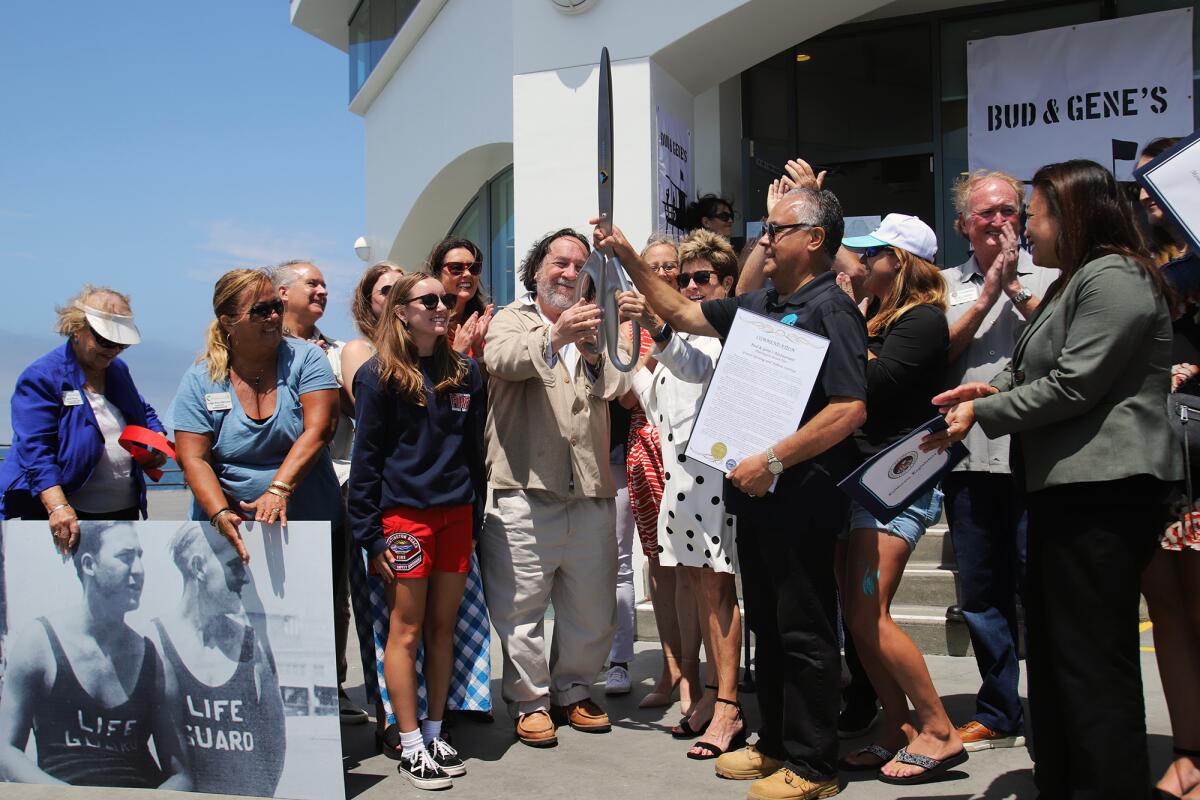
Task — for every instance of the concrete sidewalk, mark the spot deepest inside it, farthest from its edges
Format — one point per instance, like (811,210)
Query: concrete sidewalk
(640,759)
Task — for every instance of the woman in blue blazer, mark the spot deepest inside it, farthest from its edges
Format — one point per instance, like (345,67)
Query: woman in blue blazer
(68,411)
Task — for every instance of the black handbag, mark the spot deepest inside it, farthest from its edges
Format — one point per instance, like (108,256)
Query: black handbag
(1183,411)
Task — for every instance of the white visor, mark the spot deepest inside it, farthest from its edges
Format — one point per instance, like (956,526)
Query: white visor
(118,328)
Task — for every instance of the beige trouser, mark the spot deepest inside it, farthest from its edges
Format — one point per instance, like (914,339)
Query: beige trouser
(538,547)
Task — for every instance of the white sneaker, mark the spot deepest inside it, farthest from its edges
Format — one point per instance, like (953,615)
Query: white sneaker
(617,680)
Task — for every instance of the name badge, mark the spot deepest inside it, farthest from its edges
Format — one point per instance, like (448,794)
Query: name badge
(460,402)
(218,401)
(967,294)
(72,397)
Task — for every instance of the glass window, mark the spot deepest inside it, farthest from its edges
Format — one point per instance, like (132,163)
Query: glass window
(360,47)
(383,27)
(488,221)
(373,26)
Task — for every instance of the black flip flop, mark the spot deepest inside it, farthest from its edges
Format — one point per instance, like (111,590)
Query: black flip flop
(879,751)
(933,767)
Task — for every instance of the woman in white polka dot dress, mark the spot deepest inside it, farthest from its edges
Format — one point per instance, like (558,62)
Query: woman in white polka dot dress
(694,532)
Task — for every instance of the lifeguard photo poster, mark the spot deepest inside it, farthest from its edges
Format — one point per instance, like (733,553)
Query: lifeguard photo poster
(1101,91)
(154,657)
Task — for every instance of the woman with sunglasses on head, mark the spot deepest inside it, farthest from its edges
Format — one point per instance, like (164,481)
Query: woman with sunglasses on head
(254,416)
(712,213)
(1083,399)
(907,343)
(458,264)
(68,411)
(695,534)
(417,491)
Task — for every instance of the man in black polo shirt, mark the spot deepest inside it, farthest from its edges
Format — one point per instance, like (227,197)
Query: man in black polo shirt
(786,538)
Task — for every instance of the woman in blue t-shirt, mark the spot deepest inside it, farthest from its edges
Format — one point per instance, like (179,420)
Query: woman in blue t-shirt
(417,487)
(254,416)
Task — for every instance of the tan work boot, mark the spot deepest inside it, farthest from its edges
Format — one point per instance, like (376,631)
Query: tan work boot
(746,764)
(536,729)
(584,715)
(787,785)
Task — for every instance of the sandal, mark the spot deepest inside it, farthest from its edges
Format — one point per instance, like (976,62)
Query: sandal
(879,751)
(387,742)
(684,730)
(933,767)
(736,741)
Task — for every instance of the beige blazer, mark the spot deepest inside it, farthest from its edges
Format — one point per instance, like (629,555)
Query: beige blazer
(1085,392)
(547,427)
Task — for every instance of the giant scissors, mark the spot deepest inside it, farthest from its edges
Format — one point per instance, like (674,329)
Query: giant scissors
(602,275)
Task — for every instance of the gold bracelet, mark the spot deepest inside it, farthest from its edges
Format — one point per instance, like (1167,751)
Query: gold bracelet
(281,495)
(57,507)
(287,487)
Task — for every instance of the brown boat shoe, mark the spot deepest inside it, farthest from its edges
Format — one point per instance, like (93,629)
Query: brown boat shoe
(584,715)
(976,736)
(536,729)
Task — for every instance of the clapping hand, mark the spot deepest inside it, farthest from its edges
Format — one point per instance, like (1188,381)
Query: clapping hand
(802,175)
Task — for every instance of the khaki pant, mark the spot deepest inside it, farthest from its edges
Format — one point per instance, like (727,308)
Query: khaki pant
(537,548)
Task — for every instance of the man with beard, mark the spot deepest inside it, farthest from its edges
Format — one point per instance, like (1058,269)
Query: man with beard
(89,686)
(222,676)
(549,529)
(301,286)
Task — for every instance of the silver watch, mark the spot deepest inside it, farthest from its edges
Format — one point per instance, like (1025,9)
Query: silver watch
(774,465)
(1022,296)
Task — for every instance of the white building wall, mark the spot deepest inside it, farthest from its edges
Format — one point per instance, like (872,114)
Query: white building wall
(441,127)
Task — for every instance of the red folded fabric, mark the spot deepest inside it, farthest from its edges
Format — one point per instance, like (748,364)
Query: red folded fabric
(142,444)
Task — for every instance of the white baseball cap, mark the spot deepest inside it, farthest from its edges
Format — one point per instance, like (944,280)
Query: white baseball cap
(118,328)
(899,230)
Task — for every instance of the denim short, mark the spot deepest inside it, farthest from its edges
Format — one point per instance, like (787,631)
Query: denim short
(909,525)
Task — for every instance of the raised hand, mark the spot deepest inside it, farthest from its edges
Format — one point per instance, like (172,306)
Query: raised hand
(802,174)
(776,190)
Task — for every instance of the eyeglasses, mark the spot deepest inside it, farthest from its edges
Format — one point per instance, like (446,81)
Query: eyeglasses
(871,252)
(666,266)
(457,268)
(724,216)
(431,300)
(1008,212)
(700,276)
(772,229)
(106,344)
(262,311)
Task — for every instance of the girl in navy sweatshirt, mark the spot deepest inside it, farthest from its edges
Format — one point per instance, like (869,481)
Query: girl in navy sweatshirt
(417,487)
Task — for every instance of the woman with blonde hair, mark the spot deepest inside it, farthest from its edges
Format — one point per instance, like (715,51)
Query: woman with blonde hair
(68,411)
(907,342)
(417,491)
(254,416)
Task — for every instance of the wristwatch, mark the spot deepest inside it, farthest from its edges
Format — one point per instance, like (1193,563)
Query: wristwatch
(664,334)
(774,465)
(1021,296)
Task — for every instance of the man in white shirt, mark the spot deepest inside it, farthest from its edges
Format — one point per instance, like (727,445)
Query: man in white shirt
(991,296)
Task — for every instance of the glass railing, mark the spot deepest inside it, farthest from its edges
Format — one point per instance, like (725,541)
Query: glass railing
(373,25)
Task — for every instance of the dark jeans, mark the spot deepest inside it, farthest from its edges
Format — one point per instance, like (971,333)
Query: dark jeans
(987,525)
(1088,545)
(339,545)
(785,550)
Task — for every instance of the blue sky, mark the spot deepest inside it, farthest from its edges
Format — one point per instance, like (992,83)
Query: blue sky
(153,145)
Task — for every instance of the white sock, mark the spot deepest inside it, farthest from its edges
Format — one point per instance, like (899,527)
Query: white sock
(431,729)
(410,742)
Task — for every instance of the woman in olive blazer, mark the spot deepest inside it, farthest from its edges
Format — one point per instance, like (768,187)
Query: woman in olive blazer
(1084,399)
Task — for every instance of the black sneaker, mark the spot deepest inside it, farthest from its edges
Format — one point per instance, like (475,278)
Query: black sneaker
(422,772)
(857,719)
(446,757)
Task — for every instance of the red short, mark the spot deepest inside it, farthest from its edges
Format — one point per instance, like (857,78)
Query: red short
(421,540)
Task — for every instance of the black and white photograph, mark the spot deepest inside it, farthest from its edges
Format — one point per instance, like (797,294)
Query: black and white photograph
(154,657)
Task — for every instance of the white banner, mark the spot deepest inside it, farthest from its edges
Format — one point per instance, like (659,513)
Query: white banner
(1101,91)
(674,173)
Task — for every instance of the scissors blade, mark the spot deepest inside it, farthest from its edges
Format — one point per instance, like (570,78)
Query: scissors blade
(604,144)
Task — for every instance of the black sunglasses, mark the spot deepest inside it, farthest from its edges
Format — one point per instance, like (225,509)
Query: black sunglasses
(700,276)
(459,267)
(431,300)
(871,252)
(772,229)
(724,216)
(106,344)
(263,311)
